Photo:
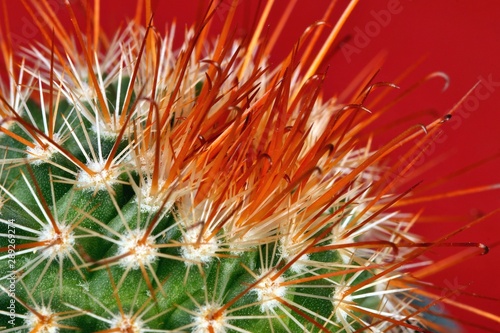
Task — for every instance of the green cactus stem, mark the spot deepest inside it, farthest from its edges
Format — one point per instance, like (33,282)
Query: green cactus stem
(151,189)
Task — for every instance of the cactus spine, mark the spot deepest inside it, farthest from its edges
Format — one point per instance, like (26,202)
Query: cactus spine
(147,189)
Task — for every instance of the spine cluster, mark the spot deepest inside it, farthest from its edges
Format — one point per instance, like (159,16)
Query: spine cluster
(150,189)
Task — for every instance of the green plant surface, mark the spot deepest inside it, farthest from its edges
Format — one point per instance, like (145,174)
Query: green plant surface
(151,189)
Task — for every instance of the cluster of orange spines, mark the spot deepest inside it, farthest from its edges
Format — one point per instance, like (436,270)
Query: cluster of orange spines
(244,158)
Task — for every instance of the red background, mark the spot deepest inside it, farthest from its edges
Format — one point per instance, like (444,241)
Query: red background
(461,38)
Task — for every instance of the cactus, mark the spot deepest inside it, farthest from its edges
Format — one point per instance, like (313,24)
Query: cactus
(148,189)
